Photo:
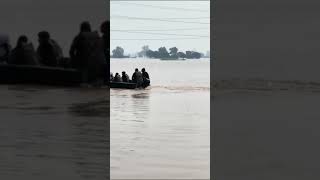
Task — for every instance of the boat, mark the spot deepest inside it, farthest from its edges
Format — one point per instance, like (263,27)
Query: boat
(123,85)
(30,74)
(127,85)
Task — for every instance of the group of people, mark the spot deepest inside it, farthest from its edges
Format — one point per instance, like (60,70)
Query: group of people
(89,52)
(141,78)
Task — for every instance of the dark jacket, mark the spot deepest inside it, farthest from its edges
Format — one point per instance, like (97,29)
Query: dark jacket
(87,54)
(145,75)
(49,53)
(125,78)
(137,78)
(24,55)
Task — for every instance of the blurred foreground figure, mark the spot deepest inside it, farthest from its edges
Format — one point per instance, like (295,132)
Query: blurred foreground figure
(87,54)
(24,53)
(49,52)
(5,48)
(105,29)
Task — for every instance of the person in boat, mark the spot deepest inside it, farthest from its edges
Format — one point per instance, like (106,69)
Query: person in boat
(137,78)
(24,53)
(117,78)
(146,78)
(5,48)
(49,52)
(104,28)
(111,76)
(125,77)
(87,55)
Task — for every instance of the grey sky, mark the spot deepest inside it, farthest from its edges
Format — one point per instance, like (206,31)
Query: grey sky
(121,19)
(60,17)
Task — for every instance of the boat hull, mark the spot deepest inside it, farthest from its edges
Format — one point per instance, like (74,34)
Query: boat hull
(24,74)
(123,85)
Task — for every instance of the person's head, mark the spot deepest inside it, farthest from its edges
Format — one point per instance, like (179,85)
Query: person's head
(43,36)
(117,74)
(22,41)
(136,70)
(104,28)
(85,27)
(123,73)
(143,70)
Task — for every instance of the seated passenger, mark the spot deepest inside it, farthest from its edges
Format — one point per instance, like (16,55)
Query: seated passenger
(117,78)
(5,48)
(49,52)
(125,77)
(137,77)
(23,53)
(146,78)
(111,76)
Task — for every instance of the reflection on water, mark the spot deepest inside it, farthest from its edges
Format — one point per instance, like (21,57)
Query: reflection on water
(51,133)
(162,132)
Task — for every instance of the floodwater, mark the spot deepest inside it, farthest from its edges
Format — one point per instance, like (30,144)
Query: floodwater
(53,133)
(162,132)
(270,134)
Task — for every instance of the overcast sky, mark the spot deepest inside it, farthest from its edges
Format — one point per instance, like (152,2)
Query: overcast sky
(165,24)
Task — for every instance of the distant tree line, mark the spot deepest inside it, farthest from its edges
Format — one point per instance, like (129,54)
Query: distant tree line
(161,53)
(173,53)
(118,52)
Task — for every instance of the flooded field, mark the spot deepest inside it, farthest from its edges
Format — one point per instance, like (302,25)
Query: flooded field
(162,132)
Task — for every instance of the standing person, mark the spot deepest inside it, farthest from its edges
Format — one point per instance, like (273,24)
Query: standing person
(137,77)
(49,52)
(24,53)
(105,29)
(87,54)
(125,77)
(5,48)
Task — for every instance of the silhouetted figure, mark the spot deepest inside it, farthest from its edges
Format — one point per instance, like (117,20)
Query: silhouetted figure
(117,78)
(137,77)
(24,53)
(125,77)
(111,76)
(49,52)
(87,54)
(105,29)
(146,78)
(5,48)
